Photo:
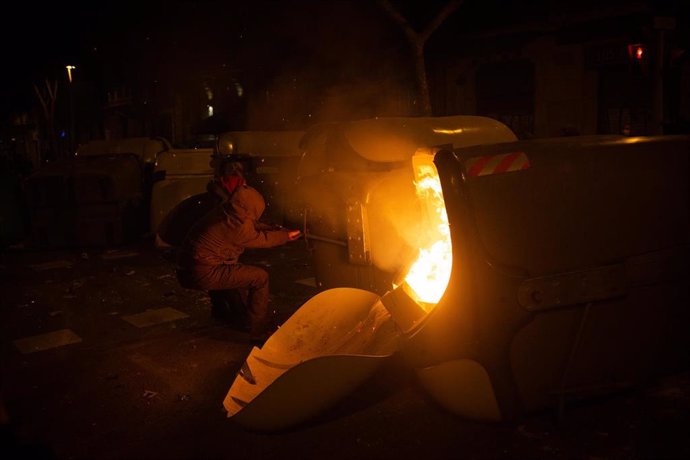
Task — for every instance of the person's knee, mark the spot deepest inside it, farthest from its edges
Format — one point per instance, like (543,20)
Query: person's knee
(261,278)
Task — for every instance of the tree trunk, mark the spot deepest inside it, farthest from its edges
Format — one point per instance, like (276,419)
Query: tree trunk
(417,40)
(422,82)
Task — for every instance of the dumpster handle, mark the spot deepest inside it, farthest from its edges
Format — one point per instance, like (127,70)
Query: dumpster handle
(308,236)
(324,239)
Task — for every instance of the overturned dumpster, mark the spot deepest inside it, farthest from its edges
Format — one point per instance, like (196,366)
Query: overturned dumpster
(96,198)
(178,175)
(526,274)
(268,159)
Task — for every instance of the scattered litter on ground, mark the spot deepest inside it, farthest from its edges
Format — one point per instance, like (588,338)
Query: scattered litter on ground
(154,317)
(521,429)
(149,394)
(76,284)
(118,254)
(53,264)
(130,273)
(184,398)
(311,282)
(162,277)
(47,341)
(113,313)
(55,313)
(84,255)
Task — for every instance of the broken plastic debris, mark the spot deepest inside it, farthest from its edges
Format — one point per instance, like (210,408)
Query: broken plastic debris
(52,265)
(330,345)
(162,277)
(118,254)
(130,273)
(311,282)
(149,394)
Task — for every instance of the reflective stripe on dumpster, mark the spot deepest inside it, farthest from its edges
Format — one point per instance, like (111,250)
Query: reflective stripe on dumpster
(496,164)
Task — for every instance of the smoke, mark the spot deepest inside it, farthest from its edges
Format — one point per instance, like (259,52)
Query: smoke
(292,102)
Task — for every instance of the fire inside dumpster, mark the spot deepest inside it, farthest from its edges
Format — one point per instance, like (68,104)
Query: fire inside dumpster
(338,338)
(428,276)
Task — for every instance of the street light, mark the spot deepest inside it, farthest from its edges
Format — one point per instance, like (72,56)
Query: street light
(72,143)
(70,68)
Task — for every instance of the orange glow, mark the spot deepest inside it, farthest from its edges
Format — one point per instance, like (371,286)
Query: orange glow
(639,52)
(428,276)
(448,131)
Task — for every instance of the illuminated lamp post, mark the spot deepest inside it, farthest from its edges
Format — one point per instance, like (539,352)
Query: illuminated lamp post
(72,144)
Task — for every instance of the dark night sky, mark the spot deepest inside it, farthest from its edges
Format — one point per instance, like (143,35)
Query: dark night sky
(39,38)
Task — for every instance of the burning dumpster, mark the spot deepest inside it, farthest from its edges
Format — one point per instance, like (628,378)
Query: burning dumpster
(358,182)
(541,271)
(570,273)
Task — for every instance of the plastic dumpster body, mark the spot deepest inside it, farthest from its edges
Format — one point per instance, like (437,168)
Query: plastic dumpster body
(357,182)
(268,159)
(271,160)
(569,279)
(570,276)
(178,175)
(87,200)
(146,149)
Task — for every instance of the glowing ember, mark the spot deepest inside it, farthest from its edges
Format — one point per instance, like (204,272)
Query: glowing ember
(428,277)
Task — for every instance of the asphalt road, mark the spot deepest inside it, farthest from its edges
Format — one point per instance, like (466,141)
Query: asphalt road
(134,366)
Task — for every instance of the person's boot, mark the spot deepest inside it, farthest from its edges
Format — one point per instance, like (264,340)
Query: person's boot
(226,307)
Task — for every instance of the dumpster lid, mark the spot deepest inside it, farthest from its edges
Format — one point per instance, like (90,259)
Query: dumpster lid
(145,148)
(261,143)
(386,142)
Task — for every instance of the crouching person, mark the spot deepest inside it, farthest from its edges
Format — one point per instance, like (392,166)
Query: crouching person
(209,257)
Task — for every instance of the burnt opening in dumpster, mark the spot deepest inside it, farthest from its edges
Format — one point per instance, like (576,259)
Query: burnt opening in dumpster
(377,226)
(427,274)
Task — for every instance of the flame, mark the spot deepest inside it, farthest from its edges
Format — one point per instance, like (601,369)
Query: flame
(428,276)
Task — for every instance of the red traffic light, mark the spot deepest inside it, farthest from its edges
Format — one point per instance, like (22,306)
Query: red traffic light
(637,51)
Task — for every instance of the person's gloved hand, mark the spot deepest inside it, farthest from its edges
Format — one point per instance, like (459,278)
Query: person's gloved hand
(294,234)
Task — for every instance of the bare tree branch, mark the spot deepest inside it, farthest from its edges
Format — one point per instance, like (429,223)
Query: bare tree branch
(412,35)
(447,10)
(41,100)
(417,42)
(50,90)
